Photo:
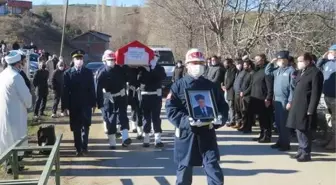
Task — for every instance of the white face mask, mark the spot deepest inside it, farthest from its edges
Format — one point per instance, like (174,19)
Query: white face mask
(61,68)
(195,70)
(239,67)
(110,63)
(179,65)
(301,65)
(78,63)
(280,64)
(331,56)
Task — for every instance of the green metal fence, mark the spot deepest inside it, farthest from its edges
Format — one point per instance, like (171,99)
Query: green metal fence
(54,159)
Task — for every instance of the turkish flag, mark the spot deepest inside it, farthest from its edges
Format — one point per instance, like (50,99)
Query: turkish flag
(134,54)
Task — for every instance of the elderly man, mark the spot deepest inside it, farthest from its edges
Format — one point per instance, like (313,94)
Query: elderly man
(195,140)
(15,99)
(327,65)
(283,88)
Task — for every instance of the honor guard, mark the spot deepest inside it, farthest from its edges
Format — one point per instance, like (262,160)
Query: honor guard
(133,100)
(79,99)
(195,140)
(150,79)
(112,99)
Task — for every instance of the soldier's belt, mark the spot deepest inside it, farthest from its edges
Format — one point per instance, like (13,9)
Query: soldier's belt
(158,92)
(121,93)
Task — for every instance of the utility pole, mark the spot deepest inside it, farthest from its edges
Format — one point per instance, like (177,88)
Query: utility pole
(97,16)
(64,24)
(103,3)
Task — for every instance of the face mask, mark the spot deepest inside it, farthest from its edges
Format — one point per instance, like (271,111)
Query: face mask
(195,70)
(110,63)
(179,65)
(213,63)
(331,56)
(301,65)
(61,68)
(280,64)
(78,63)
(239,67)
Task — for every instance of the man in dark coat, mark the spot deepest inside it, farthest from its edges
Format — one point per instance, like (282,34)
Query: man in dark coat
(79,98)
(195,141)
(202,110)
(227,87)
(40,82)
(245,93)
(302,115)
(178,71)
(215,72)
(15,46)
(22,73)
(260,100)
(57,86)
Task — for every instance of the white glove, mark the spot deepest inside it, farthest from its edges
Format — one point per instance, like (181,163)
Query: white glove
(217,121)
(194,123)
(147,68)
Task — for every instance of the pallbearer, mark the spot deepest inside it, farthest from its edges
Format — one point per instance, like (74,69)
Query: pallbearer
(150,79)
(112,99)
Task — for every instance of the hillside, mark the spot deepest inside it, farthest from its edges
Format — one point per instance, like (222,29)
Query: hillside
(30,27)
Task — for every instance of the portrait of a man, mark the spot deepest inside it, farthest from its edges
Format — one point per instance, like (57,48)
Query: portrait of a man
(201,110)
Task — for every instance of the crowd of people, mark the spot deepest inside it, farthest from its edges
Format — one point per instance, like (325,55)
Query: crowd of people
(245,90)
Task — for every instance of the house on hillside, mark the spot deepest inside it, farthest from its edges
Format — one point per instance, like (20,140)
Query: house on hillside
(93,43)
(14,6)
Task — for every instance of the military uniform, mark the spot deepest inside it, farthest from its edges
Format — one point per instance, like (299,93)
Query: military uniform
(112,99)
(79,99)
(195,145)
(151,101)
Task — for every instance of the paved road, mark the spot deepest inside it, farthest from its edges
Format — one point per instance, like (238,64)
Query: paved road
(243,161)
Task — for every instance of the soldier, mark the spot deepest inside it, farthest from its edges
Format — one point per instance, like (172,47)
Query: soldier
(195,141)
(112,99)
(133,101)
(79,99)
(150,79)
(283,88)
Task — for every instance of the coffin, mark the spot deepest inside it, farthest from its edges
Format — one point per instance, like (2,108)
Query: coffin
(134,54)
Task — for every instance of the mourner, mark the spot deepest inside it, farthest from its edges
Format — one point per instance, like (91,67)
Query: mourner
(15,99)
(327,65)
(282,74)
(215,72)
(179,71)
(150,79)
(195,140)
(22,73)
(79,99)
(111,97)
(261,100)
(57,86)
(227,86)
(40,82)
(237,86)
(302,115)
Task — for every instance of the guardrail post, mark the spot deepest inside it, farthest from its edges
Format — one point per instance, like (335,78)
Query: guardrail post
(15,165)
(58,169)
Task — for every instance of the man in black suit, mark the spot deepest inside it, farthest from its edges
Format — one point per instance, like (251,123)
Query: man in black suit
(202,111)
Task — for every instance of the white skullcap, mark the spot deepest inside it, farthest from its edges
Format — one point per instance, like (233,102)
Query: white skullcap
(194,55)
(13,57)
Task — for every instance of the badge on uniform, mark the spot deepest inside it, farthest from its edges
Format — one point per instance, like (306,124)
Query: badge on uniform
(201,104)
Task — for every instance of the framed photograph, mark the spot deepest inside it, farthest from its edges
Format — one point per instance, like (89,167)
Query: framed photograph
(201,104)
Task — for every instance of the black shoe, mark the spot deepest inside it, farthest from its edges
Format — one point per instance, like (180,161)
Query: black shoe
(140,137)
(42,114)
(134,130)
(10,171)
(79,154)
(127,142)
(159,145)
(296,156)
(146,145)
(256,139)
(304,158)
(265,140)
(85,152)
(112,147)
(284,148)
(276,146)
(118,135)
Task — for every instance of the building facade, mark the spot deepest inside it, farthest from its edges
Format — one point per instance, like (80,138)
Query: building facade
(93,43)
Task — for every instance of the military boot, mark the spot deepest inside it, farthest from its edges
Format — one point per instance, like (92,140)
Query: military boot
(126,141)
(158,143)
(112,141)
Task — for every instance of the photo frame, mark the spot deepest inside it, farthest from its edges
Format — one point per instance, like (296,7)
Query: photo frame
(201,104)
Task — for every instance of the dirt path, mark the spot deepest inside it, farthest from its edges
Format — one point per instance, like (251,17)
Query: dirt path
(243,162)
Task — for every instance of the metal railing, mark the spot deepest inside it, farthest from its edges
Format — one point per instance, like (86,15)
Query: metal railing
(54,158)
